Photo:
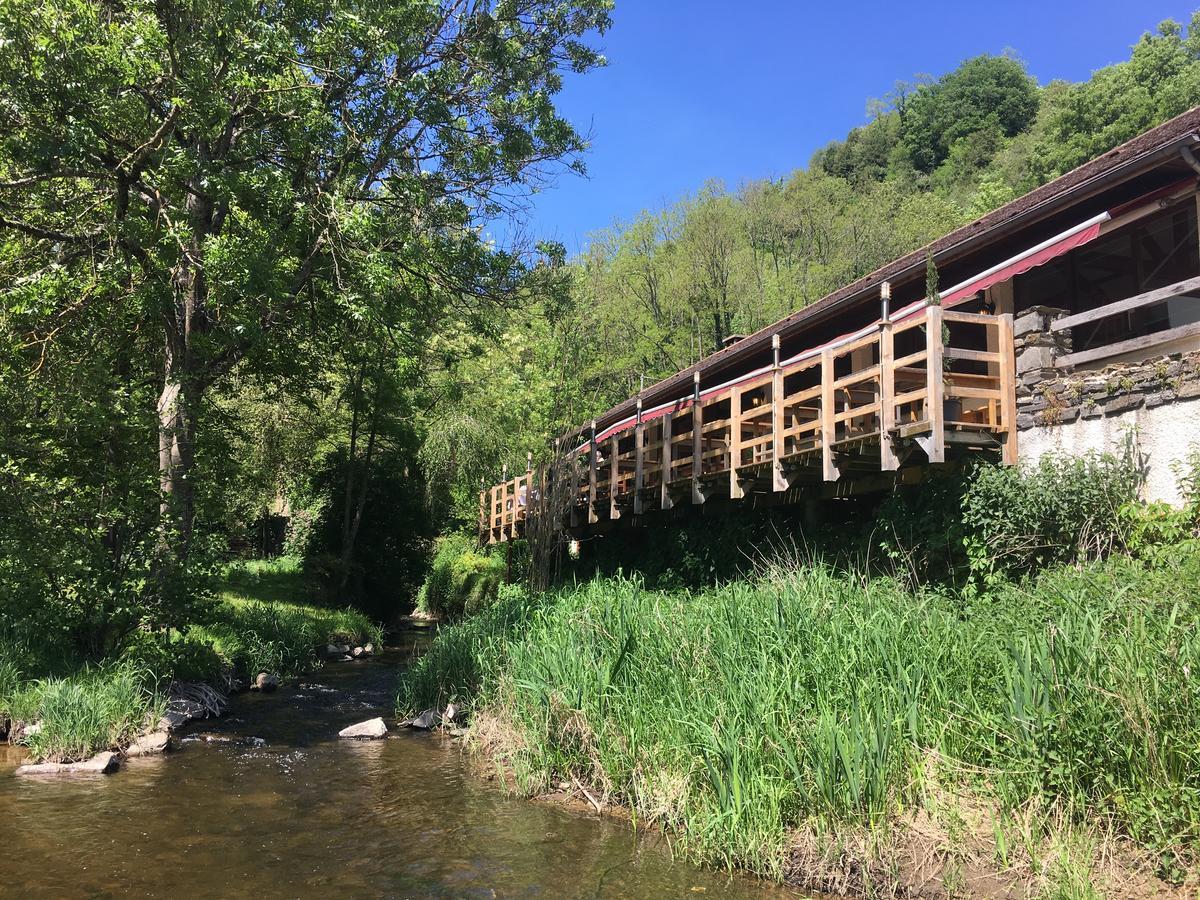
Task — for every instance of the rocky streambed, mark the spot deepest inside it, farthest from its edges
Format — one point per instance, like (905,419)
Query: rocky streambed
(267,800)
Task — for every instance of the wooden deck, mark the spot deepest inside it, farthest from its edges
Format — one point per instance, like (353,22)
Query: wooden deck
(892,395)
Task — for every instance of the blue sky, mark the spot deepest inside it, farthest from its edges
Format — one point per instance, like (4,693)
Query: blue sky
(736,91)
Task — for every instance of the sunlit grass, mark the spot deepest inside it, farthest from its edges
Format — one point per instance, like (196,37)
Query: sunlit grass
(809,698)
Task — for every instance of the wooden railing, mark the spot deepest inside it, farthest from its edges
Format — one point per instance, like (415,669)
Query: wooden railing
(1189,286)
(869,403)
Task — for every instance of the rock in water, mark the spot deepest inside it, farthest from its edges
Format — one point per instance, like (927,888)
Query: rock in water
(426,720)
(368,649)
(266,682)
(101,764)
(372,728)
(358,651)
(449,713)
(337,649)
(149,744)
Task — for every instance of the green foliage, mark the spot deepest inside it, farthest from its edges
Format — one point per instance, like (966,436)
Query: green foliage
(984,95)
(95,709)
(1064,508)
(462,580)
(262,624)
(807,697)
(209,215)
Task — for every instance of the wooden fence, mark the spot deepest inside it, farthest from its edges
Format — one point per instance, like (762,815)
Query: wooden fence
(898,392)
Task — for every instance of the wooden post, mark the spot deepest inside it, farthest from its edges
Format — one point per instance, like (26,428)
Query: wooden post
(639,434)
(665,488)
(503,499)
(592,517)
(888,460)
(1008,389)
(614,472)
(779,480)
(493,521)
(829,470)
(735,442)
(697,440)
(934,384)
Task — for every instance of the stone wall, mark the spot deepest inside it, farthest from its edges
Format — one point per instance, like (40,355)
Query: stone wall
(1059,410)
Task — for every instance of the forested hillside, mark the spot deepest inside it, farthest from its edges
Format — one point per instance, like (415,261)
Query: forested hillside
(652,296)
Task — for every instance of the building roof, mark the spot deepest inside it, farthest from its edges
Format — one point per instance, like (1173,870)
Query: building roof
(1120,164)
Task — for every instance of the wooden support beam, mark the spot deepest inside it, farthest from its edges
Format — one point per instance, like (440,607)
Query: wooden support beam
(1008,388)
(666,499)
(503,499)
(935,447)
(829,469)
(888,460)
(1132,345)
(614,472)
(1150,298)
(735,442)
(593,477)
(697,440)
(639,434)
(779,480)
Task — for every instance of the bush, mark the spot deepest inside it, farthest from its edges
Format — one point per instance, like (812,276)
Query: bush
(462,580)
(1066,508)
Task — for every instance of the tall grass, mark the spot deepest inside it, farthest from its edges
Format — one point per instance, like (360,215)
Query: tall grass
(84,713)
(258,623)
(809,698)
(261,622)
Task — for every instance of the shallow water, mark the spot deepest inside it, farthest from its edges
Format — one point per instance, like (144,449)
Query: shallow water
(267,802)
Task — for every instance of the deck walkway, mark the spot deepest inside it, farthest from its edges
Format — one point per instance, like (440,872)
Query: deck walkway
(893,394)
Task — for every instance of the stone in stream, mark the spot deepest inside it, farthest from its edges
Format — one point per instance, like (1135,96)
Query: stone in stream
(265,682)
(149,744)
(368,649)
(337,649)
(172,719)
(101,764)
(372,728)
(358,651)
(426,720)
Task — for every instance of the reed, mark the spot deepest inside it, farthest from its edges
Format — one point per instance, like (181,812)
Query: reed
(809,699)
(94,709)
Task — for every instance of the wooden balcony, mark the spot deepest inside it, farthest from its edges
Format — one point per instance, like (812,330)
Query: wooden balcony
(891,395)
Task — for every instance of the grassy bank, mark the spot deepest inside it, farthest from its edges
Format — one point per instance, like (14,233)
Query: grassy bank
(258,622)
(839,730)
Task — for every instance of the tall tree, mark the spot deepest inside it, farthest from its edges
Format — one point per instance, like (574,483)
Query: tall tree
(236,172)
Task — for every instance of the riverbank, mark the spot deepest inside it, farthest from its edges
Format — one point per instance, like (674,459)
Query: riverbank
(257,623)
(839,732)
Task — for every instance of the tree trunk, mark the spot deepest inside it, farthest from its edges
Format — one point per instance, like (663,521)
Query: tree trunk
(176,458)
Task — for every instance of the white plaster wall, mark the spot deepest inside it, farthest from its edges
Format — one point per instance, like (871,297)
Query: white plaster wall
(1164,434)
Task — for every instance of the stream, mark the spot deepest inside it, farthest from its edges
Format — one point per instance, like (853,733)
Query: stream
(268,802)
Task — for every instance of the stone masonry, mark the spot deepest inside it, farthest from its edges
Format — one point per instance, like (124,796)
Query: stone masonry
(1047,395)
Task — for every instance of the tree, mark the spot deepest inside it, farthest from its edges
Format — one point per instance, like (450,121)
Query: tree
(233,175)
(984,93)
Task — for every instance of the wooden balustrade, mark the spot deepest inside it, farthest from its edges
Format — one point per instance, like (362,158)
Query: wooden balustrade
(866,404)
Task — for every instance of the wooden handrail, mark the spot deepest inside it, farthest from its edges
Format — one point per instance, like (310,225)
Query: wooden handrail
(1149,298)
(765,425)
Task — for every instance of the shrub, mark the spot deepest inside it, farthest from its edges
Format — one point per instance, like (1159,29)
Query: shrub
(1065,508)
(462,580)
